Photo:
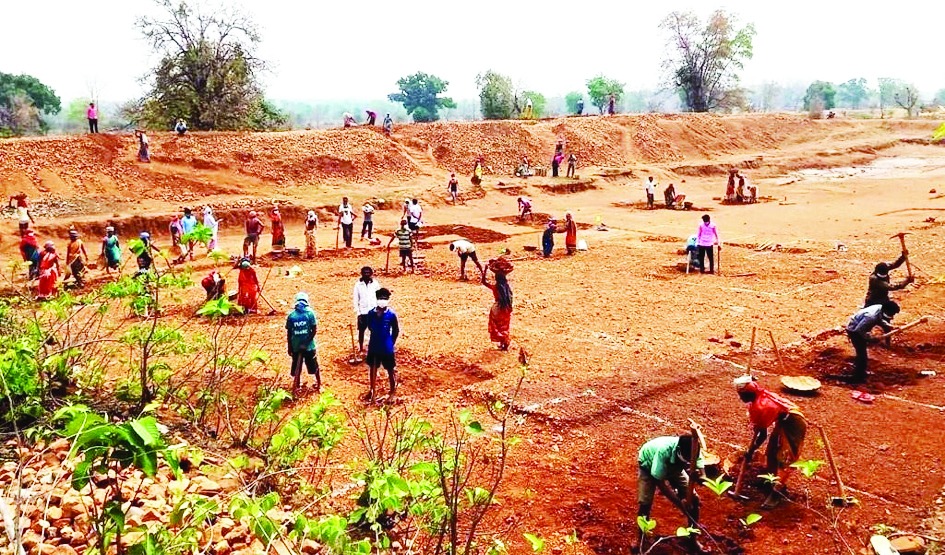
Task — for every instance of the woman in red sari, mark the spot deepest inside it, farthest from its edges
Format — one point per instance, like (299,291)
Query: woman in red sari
(278,231)
(248,290)
(500,315)
(48,272)
(570,233)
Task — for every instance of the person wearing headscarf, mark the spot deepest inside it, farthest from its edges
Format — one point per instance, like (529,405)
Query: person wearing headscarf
(767,409)
(311,237)
(500,315)
(29,250)
(278,231)
(48,272)
(570,233)
(111,250)
(144,258)
(301,326)
(879,285)
(209,220)
(177,247)
(76,258)
(248,287)
(548,238)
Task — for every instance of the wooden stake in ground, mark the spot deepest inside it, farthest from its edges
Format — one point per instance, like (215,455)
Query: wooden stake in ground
(751,349)
(777,351)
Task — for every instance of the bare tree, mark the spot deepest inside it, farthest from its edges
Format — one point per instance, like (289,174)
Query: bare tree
(907,97)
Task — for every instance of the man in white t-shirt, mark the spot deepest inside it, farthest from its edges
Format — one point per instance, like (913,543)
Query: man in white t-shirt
(367,225)
(466,251)
(414,215)
(365,300)
(650,187)
(346,218)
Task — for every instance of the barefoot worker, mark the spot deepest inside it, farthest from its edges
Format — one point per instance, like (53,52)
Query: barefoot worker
(548,238)
(301,326)
(247,287)
(500,315)
(311,240)
(570,233)
(29,250)
(214,284)
(111,250)
(76,258)
(365,301)
(254,228)
(466,251)
(187,225)
(278,231)
(524,208)
(177,247)
(48,272)
(858,331)
(784,446)
(404,238)
(663,464)
(382,321)
(879,285)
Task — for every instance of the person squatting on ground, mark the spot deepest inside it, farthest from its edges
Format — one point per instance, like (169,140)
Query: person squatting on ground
(367,224)
(663,464)
(278,231)
(365,301)
(572,164)
(180,127)
(707,237)
(787,437)
(524,208)
(111,250)
(301,326)
(49,271)
(29,250)
(570,233)
(500,315)
(453,188)
(311,239)
(548,238)
(188,224)
(466,251)
(693,254)
(879,286)
(649,186)
(76,259)
(254,228)
(214,284)
(346,218)
(404,238)
(858,331)
(247,287)
(384,327)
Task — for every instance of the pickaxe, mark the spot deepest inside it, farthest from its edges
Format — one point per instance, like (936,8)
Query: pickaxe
(902,241)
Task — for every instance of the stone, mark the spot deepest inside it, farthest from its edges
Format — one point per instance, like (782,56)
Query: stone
(204,486)
(226,525)
(222,547)
(53,513)
(908,545)
(64,550)
(310,547)
(30,539)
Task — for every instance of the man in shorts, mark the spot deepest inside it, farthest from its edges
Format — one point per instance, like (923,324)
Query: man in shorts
(414,215)
(404,238)
(254,228)
(466,251)
(382,321)
(453,188)
(301,326)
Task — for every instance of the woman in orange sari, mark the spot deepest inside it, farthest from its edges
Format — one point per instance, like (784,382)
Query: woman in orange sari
(278,231)
(570,233)
(500,316)
(248,288)
(48,272)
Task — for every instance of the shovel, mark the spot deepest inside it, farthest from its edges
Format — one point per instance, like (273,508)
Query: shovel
(272,309)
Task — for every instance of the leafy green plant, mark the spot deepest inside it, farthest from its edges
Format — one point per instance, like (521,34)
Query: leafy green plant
(809,467)
(770,478)
(184,533)
(718,485)
(686,531)
(21,385)
(218,256)
(200,234)
(750,519)
(219,308)
(646,525)
(253,512)
(939,133)
(316,429)
(332,532)
(536,543)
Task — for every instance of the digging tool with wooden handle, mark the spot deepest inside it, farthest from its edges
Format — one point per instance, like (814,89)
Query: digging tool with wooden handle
(902,242)
(901,329)
(693,463)
(751,349)
(737,491)
(843,499)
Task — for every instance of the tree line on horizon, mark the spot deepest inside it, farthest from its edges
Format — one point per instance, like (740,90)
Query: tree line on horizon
(207,75)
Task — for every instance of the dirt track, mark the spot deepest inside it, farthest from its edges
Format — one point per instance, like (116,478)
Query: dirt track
(624,345)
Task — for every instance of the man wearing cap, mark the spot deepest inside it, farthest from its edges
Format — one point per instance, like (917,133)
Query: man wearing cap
(879,284)
(301,326)
(365,301)
(404,238)
(247,287)
(787,437)
(187,225)
(859,328)
(663,464)
(466,251)
(76,258)
(254,228)
(382,321)
(453,188)
(111,250)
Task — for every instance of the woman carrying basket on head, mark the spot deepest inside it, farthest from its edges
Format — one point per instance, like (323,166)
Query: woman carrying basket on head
(500,315)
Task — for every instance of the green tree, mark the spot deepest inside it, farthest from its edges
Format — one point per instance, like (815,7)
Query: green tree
(207,73)
(600,88)
(820,95)
(419,93)
(496,95)
(888,88)
(703,60)
(23,100)
(538,103)
(853,93)
(571,101)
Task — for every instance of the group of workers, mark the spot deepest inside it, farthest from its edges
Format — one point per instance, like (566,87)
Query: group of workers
(736,190)
(370,119)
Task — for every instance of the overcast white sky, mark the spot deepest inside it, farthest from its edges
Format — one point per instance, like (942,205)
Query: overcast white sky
(327,49)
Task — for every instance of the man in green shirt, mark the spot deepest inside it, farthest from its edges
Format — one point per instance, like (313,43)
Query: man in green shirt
(301,326)
(664,462)
(404,238)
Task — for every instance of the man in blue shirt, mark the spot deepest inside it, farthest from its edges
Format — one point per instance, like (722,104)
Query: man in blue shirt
(301,326)
(859,328)
(384,331)
(188,223)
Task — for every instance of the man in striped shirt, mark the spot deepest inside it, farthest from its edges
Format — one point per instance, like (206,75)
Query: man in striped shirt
(404,237)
